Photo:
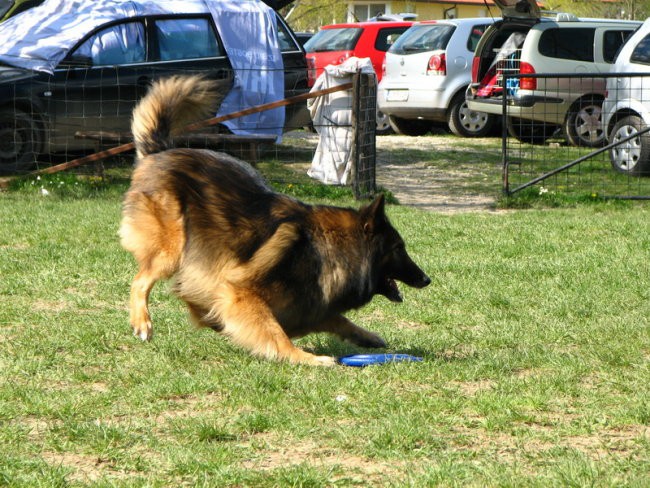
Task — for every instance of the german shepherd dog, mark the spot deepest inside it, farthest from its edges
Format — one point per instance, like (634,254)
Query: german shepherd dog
(256,265)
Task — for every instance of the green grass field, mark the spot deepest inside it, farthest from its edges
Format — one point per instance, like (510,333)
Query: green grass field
(535,337)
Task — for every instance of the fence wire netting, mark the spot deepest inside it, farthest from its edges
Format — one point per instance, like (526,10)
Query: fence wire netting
(49,123)
(564,133)
(575,134)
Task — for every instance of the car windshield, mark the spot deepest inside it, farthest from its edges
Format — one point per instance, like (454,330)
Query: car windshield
(424,37)
(641,53)
(343,39)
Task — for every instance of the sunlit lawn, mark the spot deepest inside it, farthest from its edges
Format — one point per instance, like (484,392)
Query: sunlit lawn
(534,333)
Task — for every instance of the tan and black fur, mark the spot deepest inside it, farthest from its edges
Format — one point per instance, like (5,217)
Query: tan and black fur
(256,265)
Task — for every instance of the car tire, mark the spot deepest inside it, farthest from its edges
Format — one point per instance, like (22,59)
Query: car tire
(465,122)
(383,124)
(631,157)
(529,131)
(409,127)
(20,141)
(583,126)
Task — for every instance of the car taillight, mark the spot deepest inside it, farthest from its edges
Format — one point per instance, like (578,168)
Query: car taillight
(527,83)
(437,65)
(343,57)
(311,71)
(475,63)
(383,68)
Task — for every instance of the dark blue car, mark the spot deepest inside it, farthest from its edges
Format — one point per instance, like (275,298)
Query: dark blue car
(87,73)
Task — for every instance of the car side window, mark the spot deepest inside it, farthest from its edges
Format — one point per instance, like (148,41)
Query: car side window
(570,43)
(475,36)
(5,6)
(187,38)
(285,40)
(386,37)
(612,41)
(119,44)
(641,53)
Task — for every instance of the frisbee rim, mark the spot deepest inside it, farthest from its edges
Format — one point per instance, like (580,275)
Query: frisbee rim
(360,360)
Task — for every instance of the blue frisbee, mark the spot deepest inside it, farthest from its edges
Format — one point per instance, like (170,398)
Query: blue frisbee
(361,360)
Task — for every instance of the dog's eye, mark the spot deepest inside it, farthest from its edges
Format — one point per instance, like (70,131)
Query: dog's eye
(398,248)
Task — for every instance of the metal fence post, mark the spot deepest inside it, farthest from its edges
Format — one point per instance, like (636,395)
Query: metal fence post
(504,137)
(364,123)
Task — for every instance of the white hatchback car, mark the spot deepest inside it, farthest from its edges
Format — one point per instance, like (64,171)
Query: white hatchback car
(426,73)
(626,109)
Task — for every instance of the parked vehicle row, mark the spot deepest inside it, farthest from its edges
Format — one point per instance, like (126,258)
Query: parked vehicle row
(417,85)
(453,71)
(458,71)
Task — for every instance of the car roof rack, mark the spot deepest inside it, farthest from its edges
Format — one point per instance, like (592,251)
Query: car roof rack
(382,17)
(560,16)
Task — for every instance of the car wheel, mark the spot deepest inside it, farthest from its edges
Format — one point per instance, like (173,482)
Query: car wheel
(409,127)
(383,125)
(631,157)
(583,124)
(465,122)
(529,131)
(20,141)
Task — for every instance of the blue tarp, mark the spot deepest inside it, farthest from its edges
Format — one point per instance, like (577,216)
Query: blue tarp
(39,38)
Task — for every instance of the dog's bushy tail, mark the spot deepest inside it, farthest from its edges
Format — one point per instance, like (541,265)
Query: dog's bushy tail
(171,104)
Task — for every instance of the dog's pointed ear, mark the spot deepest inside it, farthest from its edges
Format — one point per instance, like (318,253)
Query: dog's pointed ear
(374,214)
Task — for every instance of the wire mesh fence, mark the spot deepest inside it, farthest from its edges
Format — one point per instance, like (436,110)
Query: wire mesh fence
(577,134)
(47,125)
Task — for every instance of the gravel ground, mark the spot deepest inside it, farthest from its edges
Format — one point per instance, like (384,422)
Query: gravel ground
(417,184)
(414,180)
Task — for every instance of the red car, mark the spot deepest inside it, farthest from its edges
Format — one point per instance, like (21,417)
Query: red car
(335,43)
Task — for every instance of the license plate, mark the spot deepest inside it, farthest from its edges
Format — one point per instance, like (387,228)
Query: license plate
(397,95)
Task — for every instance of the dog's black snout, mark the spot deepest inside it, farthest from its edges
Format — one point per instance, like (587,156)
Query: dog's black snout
(426,281)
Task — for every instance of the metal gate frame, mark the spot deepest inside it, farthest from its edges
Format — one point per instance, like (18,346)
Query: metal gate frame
(507,162)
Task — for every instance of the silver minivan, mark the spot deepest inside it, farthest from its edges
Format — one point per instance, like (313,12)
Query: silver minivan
(525,42)
(426,73)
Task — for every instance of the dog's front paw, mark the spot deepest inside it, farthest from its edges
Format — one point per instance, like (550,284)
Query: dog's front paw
(369,339)
(302,357)
(144,330)
(324,361)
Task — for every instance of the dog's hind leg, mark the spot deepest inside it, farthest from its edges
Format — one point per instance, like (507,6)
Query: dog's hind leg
(158,268)
(138,309)
(249,322)
(346,330)
(152,230)
(161,266)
